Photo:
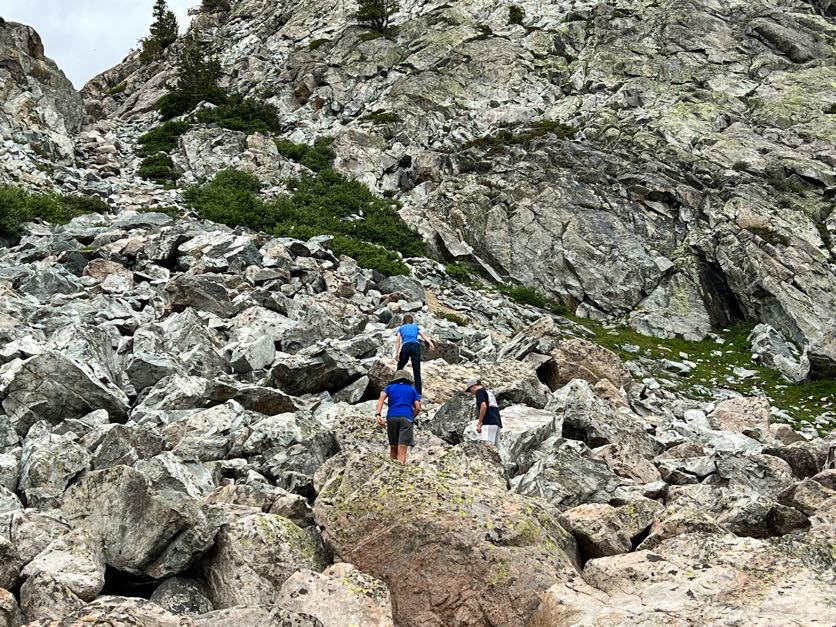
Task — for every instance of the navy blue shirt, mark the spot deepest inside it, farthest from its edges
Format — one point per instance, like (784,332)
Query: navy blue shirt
(492,415)
(401,398)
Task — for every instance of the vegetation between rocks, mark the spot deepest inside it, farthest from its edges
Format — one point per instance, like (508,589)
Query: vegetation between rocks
(163,33)
(510,137)
(365,227)
(18,206)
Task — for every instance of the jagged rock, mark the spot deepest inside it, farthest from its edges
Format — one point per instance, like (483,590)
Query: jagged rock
(805,458)
(314,370)
(232,577)
(460,573)
(48,464)
(627,463)
(268,616)
(9,471)
(808,496)
(292,446)
(681,578)
(581,359)
(167,472)
(785,433)
(764,474)
(749,416)
(405,286)
(41,106)
(182,596)
(142,532)
(121,610)
(75,561)
(450,420)
(204,292)
(603,530)
(770,349)
(340,595)
(10,564)
(9,502)
(827,478)
(44,598)
(123,445)
(674,309)
(523,430)
(10,615)
(596,422)
(562,473)
(52,387)
(145,369)
(31,531)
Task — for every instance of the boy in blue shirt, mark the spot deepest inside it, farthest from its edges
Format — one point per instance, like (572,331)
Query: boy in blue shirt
(404,405)
(408,348)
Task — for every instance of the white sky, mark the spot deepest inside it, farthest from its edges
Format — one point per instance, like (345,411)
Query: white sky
(85,37)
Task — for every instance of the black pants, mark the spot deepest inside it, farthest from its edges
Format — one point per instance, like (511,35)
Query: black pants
(411,351)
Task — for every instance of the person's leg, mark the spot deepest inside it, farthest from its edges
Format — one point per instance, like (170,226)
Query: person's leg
(402,450)
(416,366)
(405,438)
(394,451)
(490,433)
(393,435)
(403,357)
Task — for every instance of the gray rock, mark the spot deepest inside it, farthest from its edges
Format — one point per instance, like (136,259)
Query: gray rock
(233,578)
(407,287)
(10,615)
(123,445)
(42,597)
(53,387)
(10,564)
(48,464)
(182,596)
(603,530)
(770,349)
(75,561)
(204,292)
(267,615)
(314,370)
(142,532)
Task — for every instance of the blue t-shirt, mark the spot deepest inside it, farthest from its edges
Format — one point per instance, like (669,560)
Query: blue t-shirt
(409,332)
(401,398)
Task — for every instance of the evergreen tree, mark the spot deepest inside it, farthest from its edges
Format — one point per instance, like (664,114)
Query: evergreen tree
(164,31)
(377,13)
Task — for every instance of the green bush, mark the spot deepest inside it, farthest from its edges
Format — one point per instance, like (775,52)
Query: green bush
(458,271)
(365,227)
(315,158)
(376,13)
(117,89)
(18,206)
(197,81)
(454,318)
(241,114)
(161,139)
(158,168)
(508,137)
(516,15)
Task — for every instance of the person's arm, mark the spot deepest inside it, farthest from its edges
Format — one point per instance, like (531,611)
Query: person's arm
(424,337)
(379,409)
(397,344)
(483,409)
(416,408)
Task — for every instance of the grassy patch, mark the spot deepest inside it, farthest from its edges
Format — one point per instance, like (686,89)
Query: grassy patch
(715,363)
(161,139)
(118,89)
(461,271)
(452,317)
(529,296)
(18,206)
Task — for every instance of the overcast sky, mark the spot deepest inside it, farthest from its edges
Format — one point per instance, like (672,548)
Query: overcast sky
(85,37)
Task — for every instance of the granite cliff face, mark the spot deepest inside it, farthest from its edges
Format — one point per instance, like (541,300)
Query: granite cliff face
(40,105)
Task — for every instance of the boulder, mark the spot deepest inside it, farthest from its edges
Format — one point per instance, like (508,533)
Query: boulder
(143,532)
(695,578)
(314,370)
(53,387)
(263,616)
(32,531)
(468,537)
(341,595)
(603,530)
(182,596)
(48,465)
(122,611)
(253,556)
(581,359)
(123,445)
(42,597)
(10,615)
(746,415)
(205,292)
(10,564)
(763,474)
(771,349)
(75,561)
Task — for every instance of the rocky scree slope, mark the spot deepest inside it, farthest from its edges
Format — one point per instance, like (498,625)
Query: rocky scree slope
(186,438)
(667,163)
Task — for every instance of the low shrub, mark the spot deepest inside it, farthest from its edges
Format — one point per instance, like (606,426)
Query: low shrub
(516,15)
(460,271)
(241,114)
(315,158)
(18,206)
(382,117)
(161,139)
(365,227)
(452,317)
(158,168)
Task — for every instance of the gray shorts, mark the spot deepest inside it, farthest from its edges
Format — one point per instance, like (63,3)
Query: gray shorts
(399,430)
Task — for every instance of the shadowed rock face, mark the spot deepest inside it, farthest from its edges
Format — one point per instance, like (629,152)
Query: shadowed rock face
(40,105)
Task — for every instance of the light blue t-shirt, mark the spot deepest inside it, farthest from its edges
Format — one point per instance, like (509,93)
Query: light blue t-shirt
(409,332)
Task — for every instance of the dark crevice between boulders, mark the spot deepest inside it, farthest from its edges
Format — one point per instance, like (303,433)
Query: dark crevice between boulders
(720,302)
(121,583)
(636,540)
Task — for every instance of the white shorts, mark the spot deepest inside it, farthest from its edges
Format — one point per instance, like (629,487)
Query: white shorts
(490,433)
